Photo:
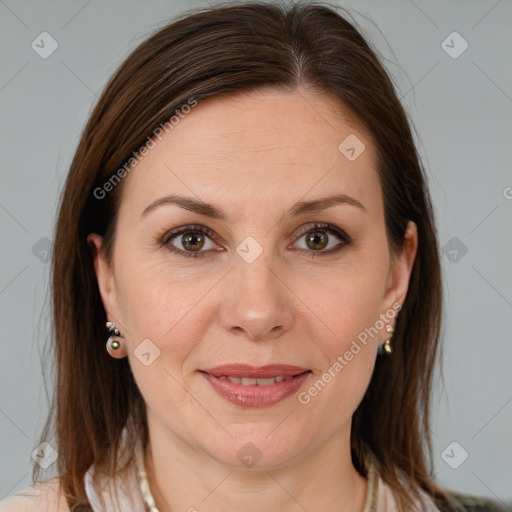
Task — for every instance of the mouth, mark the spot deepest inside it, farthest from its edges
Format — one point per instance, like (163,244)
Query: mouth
(255,387)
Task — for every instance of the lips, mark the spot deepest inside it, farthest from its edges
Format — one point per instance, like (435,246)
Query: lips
(255,387)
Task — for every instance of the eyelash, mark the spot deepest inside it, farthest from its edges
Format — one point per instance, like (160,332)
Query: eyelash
(322,227)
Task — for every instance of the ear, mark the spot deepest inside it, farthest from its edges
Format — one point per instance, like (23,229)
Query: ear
(400,269)
(105,277)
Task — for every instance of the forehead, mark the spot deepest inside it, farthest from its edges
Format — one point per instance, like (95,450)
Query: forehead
(260,146)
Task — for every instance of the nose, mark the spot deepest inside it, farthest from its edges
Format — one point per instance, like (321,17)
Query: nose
(257,301)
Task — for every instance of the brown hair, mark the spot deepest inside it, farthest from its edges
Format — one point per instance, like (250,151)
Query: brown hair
(223,50)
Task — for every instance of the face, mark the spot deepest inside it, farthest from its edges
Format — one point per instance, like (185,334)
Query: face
(267,284)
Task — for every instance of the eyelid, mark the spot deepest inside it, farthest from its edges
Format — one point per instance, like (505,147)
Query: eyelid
(320,226)
(190,227)
(324,226)
(165,240)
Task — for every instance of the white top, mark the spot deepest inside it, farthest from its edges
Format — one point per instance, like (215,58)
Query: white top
(134,495)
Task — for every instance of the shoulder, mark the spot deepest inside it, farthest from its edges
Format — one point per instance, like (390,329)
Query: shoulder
(467,503)
(43,496)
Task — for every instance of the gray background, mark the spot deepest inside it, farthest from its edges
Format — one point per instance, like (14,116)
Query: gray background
(461,108)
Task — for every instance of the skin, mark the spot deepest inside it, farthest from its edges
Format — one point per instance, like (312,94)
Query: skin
(254,155)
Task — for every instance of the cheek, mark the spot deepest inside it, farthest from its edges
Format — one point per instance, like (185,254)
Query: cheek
(343,315)
(345,303)
(155,295)
(165,321)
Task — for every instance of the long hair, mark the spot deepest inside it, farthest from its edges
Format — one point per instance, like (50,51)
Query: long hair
(216,51)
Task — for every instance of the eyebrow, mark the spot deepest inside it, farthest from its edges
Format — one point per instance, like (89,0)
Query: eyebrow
(210,210)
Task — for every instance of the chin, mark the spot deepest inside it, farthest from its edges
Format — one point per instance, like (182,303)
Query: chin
(260,450)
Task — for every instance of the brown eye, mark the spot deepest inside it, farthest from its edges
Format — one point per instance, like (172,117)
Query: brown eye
(195,241)
(317,240)
(320,236)
(192,241)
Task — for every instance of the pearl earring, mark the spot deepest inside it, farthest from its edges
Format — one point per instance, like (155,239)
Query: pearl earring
(115,336)
(387,344)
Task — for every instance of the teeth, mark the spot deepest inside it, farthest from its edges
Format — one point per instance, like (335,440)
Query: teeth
(266,382)
(248,381)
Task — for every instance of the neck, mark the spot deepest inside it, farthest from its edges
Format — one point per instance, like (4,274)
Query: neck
(181,478)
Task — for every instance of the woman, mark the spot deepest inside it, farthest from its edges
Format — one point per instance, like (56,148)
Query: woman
(247,217)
